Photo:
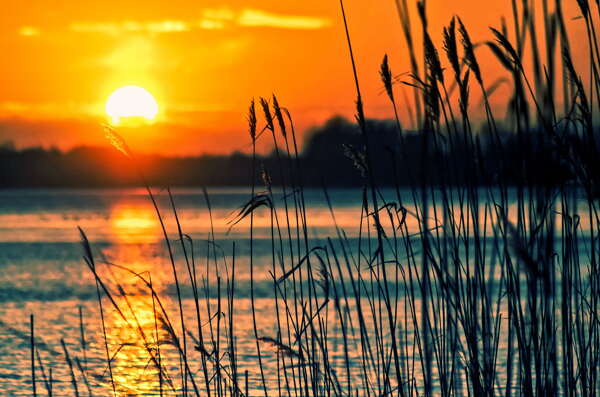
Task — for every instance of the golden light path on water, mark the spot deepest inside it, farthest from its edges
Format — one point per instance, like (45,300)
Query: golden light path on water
(137,335)
(145,359)
(135,223)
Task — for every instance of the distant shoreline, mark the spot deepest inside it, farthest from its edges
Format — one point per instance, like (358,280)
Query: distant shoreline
(331,156)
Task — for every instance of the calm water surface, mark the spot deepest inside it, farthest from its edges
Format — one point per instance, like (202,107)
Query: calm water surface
(42,272)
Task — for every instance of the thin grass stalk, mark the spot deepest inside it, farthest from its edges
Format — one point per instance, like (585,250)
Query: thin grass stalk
(362,124)
(252,125)
(89,259)
(84,376)
(157,341)
(32,348)
(82,337)
(45,378)
(70,363)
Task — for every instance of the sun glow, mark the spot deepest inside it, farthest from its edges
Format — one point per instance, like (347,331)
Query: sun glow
(131,102)
(134,224)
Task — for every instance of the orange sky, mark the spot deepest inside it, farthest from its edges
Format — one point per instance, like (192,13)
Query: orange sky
(203,61)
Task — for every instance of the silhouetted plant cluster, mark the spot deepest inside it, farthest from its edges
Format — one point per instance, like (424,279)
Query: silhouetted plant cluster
(481,278)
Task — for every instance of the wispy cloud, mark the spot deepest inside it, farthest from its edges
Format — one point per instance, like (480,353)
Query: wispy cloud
(116,28)
(219,14)
(29,31)
(211,24)
(267,19)
(212,19)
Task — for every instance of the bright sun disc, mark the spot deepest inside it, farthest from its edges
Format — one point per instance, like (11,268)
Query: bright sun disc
(131,101)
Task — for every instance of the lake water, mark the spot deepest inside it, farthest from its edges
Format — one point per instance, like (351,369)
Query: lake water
(42,272)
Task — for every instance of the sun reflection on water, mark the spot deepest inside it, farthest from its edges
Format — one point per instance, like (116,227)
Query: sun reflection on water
(140,343)
(134,224)
(138,336)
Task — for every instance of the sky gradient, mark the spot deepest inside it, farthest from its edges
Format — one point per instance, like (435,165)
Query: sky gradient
(203,62)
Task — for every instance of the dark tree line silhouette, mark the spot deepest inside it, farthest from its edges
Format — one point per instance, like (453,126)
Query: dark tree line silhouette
(332,155)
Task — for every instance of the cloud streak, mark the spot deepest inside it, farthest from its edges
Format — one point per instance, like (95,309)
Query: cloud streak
(212,19)
(258,18)
(29,31)
(117,28)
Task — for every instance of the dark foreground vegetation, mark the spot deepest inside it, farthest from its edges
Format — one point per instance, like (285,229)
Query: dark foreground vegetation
(446,290)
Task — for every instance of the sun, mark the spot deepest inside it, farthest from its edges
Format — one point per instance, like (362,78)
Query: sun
(131,102)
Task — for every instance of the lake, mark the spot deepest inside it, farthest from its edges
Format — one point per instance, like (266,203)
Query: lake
(43,272)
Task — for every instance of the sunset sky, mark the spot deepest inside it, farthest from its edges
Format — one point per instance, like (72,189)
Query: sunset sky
(203,61)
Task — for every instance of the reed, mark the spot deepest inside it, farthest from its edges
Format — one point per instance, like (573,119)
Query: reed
(32,343)
(474,288)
